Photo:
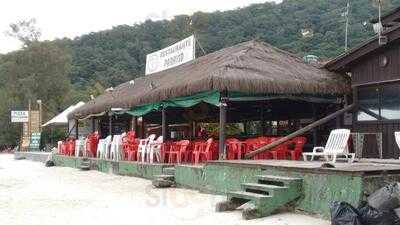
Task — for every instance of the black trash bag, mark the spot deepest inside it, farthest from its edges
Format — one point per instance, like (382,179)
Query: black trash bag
(386,198)
(342,213)
(372,216)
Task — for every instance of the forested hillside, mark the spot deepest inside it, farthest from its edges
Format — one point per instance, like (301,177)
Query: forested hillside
(64,71)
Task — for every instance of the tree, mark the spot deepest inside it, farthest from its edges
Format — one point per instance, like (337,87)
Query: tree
(25,31)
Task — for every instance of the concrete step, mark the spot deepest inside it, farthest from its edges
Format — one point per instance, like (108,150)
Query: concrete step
(269,189)
(279,180)
(165,177)
(169,170)
(263,198)
(162,183)
(247,196)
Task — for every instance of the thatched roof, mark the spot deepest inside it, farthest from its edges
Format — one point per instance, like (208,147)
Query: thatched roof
(250,67)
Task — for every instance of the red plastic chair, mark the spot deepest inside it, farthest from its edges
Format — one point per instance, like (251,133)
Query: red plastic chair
(203,151)
(92,143)
(299,143)
(234,149)
(130,145)
(251,144)
(63,148)
(262,141)
(280,151)
(177,150)
(70,147)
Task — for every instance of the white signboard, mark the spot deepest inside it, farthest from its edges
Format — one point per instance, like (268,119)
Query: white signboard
(19,116)
(174,55)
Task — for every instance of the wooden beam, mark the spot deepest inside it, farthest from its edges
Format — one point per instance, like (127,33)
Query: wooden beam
(299,132)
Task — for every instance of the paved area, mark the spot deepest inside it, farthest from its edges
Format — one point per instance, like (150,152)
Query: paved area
(31,194)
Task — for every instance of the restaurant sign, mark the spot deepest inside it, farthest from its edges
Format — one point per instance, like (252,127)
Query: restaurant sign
(19,116)
(174,55)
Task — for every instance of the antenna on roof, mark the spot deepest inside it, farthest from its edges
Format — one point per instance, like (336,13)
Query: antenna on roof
(382,40)
(347,26)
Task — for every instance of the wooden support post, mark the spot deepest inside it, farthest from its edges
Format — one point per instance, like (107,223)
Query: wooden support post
(134,123)
(143,130)
(338,119)
(194,125)
(76,129)
(299,132)
(164,124)
(222,123)
(263,130)
(110,130)
(93,125)
(314,131)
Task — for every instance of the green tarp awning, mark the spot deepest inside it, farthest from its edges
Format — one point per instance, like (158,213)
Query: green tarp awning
(213,98)
(210,97)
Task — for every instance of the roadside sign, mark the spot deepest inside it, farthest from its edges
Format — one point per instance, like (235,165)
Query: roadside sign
(34,144)
(174,55)
(19,116)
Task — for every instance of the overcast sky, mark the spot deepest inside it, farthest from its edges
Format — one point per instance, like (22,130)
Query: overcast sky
(71,18)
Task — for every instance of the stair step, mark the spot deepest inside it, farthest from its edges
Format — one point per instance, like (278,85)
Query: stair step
(169,170)
(279,180)
(263,187)
(165,177)
(248,196)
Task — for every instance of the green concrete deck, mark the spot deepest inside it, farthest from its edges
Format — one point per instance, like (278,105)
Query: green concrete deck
(321,186)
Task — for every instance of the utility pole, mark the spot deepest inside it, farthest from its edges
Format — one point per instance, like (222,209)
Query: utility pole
(347,26)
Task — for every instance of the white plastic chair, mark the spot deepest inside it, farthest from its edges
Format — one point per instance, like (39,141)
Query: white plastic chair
(100,149)
(116,147)
(80,147)
(397,137)
(154,148)
(335,146)
(59,144)
(142,148)
(107,147)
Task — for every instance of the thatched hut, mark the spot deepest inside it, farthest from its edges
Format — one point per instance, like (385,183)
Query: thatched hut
(250,68)
(247,72)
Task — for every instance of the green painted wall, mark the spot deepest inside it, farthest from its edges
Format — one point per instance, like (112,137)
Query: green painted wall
(121,168)
(319,189)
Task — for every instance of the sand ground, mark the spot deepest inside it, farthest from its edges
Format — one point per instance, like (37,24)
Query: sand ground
(31,194)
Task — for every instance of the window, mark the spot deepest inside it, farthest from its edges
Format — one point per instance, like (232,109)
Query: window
(379,102)
(368,99)
(390,106)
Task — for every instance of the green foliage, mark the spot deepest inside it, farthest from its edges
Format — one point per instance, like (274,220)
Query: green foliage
(113,56)
(39,71)
(65,71)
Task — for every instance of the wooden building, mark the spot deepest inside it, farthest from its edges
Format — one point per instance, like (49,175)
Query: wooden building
(374,68)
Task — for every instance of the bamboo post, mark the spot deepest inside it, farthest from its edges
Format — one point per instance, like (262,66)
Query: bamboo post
(299,132)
